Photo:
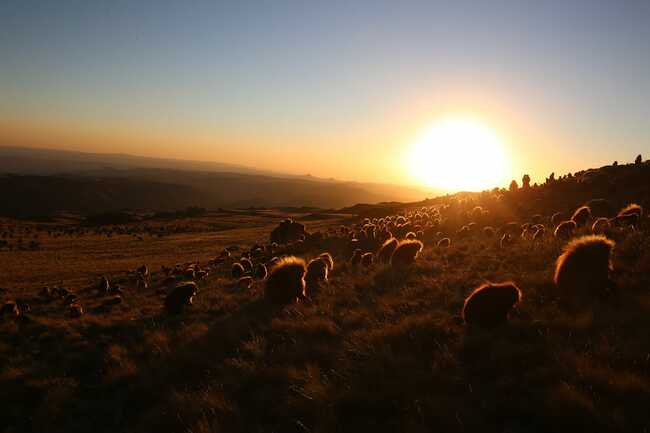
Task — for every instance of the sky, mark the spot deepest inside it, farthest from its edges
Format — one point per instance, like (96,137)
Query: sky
(334,88)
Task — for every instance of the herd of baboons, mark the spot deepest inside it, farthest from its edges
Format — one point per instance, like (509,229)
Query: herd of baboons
(294,262)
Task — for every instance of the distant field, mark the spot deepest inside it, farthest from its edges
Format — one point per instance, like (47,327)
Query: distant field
(75,260)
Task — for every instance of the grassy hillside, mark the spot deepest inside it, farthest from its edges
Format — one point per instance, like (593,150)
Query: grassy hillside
(375,348)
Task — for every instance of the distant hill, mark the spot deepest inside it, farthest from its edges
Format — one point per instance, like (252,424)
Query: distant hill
(612,185)
(86,183)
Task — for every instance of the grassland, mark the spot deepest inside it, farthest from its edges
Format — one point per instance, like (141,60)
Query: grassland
(374,349)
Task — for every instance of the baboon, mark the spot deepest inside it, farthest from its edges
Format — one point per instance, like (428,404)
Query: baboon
(356,257)
(246,264)
(557,218)
(288,231)
(70,299)
(317,271)
(181,296)
(143,270)
(386,250)
(286,281)
(581,216)
(489,305)
(103,286)
(327,257)
(245,282)
(600,226)
(488,231)
(75,310)
(506,240)
(367,259)
(565,229)
(584,266)
(406,253)
(260,271)
(631,220)
(10,308)
(142,282)
(630,215)
(237,270)
(411,236)
(444,243)
(539,233)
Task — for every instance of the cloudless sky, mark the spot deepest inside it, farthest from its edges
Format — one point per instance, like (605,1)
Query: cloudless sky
(335,89)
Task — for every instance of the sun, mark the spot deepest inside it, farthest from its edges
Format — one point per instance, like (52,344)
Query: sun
(459,154)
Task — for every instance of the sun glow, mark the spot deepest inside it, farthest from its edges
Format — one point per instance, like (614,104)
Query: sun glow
(459,154)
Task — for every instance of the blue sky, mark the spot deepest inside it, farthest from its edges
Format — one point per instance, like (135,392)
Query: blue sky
(296,86)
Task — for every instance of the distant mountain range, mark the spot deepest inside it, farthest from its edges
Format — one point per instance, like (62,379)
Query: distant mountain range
(37,182)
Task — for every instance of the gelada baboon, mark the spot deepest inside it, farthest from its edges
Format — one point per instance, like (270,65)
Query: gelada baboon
(489,305)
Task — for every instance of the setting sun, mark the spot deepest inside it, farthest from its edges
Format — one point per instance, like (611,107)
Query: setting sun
(459,154)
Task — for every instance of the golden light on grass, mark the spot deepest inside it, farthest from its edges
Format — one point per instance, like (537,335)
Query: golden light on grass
(459,154)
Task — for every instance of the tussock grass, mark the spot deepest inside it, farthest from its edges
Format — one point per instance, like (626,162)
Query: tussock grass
(375,349)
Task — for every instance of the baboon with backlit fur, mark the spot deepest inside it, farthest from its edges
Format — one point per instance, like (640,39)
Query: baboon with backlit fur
(317,272)
(181,296)
(327,257)
(584,266)
(237,270)
(406,253)
(286,281)
(367,259)
(386,250)
(489,305)
(600,226)
(565,230)
(581,216)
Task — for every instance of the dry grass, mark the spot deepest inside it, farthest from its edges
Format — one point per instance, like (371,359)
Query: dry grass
(377,349)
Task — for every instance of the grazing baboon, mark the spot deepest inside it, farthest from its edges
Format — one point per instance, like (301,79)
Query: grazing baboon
(237,270)
(181,296)
(327,257)
(630,215)
(143,270)
(356,257)
(581,216)
(261,271)
(539,233)
(367,259)
(245,282)
(411,236)
(286,281)
(246,264)
(489,305)
(631,220)
(600,226)
(103,286)
(488,231)
(584,266)
(75,310)
(10,308)
(506,240)
(406,253)
(142,282)
(631,209)
(444,243)
(317,271)
(386,250)
(557,218)
(565,229)
(70,299)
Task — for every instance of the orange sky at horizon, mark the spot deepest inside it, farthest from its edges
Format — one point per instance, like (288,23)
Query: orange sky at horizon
(372,152)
